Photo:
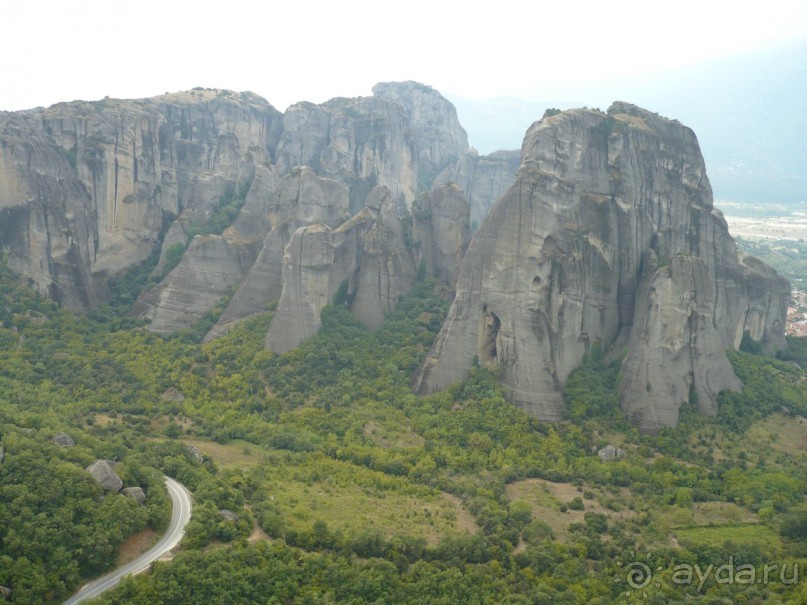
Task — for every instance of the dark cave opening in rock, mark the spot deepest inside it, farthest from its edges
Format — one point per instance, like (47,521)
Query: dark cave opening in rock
(489,334)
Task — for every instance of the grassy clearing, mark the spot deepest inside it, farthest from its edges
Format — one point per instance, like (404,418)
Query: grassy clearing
(780,433)
(387,436)
(235,454)
(546,499)
(746,535)
(708,513)
(306,489)
(353,498)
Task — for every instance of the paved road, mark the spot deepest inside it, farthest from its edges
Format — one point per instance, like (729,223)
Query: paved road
(180,515)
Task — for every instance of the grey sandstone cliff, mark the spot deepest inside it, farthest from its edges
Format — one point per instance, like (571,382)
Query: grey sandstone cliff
(439,139)
(215,264)
(482,178)
(371,258)
(87,188)
(608,236)
(367,254)
(441,231)
(399,138)
(302,199)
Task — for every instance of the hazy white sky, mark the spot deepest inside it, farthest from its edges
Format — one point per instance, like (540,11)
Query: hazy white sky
(55,50)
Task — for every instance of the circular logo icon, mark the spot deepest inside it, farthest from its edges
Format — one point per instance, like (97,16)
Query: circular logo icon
(638,575)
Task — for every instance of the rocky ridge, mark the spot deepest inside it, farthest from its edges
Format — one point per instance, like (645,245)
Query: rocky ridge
(607,241)
(88,189)
(367,262)
(603,238)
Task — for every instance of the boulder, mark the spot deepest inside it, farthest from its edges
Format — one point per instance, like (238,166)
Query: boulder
(63,440)
(609,453)
(195,453)
(136,493)
(101,471)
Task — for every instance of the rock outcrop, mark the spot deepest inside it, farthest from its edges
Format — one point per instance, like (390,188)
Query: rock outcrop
(610,453)
(87,188)
(607,237)
(135,493)
(302,199)
(104,475)
(63,440)
(482,178)
(439,138)
(441,230)
(213,265)
(366,257)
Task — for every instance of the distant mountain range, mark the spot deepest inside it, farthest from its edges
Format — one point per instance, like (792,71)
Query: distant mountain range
(749,113)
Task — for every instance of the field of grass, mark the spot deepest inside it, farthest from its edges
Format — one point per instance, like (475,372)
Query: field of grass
(353,498)
(306,489)
(746,535)
(234,454)
(390,435)
(546,499)
(780,433)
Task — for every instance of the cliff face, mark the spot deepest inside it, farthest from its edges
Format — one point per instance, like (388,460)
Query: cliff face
(399,138)
(441,231)
(608,236)
(88,187)
(370,261)
(437,135)
(214,264)
(483,179)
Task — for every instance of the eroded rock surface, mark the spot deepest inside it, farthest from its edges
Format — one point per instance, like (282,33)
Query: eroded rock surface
(441,230)
(565,261)
(482,178)
(365,256)
(87,188)
(104,475)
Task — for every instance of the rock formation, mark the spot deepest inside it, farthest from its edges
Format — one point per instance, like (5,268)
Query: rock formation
(214,264)
(135,493)
(482,178)
(610,453)
(101,471)
(63,440)
(366,253)
(302,199)
(87,188)
(441,231)
(438,137)
(400,138)
(607,237)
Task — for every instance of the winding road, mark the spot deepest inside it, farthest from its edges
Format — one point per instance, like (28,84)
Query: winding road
(180,515)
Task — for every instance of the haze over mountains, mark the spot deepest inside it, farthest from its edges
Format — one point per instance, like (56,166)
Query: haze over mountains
(748,112)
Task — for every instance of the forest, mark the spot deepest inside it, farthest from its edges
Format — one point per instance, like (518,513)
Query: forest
(347,488)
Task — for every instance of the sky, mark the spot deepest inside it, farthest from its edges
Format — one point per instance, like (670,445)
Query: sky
(53,50)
